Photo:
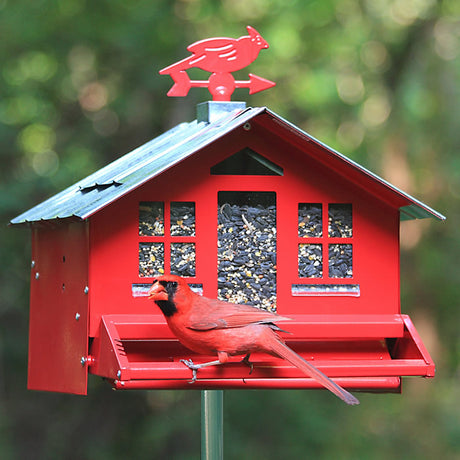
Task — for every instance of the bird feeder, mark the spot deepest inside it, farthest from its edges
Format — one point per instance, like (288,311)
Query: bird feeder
(248,208)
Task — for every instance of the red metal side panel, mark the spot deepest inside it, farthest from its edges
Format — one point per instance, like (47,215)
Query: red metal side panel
(412,347)
(58,328)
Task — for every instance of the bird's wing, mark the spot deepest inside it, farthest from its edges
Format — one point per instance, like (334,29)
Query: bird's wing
(213,45)
(223,315)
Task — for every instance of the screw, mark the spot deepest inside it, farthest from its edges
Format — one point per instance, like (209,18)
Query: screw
(77,316)
(118,374)
(247,126)
(37,275)
(32,264)
(86,290)
(83,360)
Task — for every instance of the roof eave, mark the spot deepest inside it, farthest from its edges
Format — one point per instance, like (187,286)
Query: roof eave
(414,210)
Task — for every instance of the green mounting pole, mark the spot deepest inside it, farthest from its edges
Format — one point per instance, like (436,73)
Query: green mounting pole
(212,425)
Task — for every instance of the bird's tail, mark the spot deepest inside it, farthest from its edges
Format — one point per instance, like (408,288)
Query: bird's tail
(279,348)
(178,66)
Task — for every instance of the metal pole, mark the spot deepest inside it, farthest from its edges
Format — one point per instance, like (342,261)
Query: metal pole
(212,425)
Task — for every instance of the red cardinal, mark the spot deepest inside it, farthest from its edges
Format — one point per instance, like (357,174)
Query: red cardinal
(209,326)
(221,54)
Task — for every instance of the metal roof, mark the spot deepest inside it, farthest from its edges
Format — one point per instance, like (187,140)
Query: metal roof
(118,178)
(414,209)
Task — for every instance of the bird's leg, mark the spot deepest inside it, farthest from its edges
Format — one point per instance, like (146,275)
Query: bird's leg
(194,367)
(246,361)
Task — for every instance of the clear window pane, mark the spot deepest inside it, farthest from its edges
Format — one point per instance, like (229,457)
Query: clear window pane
(349,290)
(246,252)
(310,260)
(142,289)
(151,218)
(183,259)
(340,221)
(340,260)
(310,220)
(182,218)
(151,259)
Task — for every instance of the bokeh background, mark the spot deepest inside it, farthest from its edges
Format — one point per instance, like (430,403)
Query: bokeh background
(377,80)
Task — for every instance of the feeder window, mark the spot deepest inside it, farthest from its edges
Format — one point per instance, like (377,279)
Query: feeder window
(151,259)
(142,289)
(310,260)
(167,244)
(246,248)
(351,290)
(183,259)
(151,218)
(310,219)
(340,260)
(182,219)
(340,221)
(321,256)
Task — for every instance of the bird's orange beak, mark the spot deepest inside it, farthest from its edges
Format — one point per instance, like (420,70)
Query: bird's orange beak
(158,292)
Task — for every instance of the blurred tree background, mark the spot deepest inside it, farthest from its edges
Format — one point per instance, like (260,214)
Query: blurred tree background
(375,79)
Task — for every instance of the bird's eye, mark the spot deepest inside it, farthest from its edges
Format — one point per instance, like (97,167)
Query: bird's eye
(174,284)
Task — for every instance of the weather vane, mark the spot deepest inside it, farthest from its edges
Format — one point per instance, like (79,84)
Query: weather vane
(221,57)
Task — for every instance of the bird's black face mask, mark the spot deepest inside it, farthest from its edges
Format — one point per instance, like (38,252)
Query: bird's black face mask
(168,307)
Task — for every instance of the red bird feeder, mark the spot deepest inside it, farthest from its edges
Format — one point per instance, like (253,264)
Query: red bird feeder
(246,207)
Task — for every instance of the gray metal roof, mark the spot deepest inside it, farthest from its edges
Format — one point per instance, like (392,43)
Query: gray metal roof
(118,178)
(414,209)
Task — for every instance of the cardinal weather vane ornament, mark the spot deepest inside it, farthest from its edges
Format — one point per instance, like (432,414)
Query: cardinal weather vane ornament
(221,57)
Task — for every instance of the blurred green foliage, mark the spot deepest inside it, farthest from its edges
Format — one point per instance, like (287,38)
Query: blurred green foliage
(377,80)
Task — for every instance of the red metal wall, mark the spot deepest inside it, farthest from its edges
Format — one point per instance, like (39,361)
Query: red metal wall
(58,328)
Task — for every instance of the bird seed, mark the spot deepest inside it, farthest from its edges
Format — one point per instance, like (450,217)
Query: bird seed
(310,220)
(310,260)
(246,250)
(340,221)
(151,218)
(183,259)
(182,218)
(151,259)
(340,260)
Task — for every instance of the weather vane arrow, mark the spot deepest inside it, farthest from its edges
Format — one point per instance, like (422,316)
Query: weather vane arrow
(221,57)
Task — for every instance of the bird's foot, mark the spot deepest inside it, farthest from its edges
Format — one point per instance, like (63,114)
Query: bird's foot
(246,361)
(194,368)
